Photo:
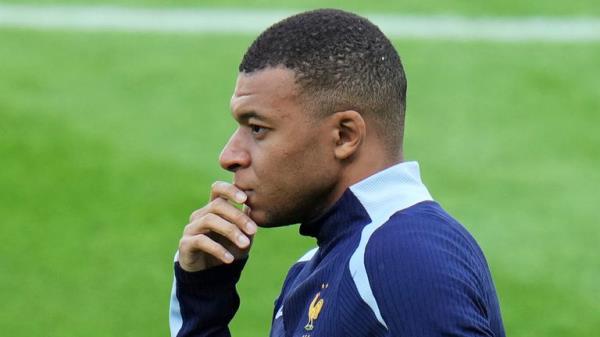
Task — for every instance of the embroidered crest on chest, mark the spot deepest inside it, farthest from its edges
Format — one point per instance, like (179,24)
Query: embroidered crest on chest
(316,305)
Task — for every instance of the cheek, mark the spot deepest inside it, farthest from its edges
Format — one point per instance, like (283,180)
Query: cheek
(291,162)
(307,167)
(292,181)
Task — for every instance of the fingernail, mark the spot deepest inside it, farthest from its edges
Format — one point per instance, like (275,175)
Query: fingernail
(243,240)
(240,197)
(228,257)
(250,227)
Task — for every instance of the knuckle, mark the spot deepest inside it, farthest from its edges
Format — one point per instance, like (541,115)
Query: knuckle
(216,185)
(199,223)
(193,215)
(218,204)
(208,219)
(240,218)
(231,231)
(197,213)
(199,239)
(184,244)
(228,211)
(200,242)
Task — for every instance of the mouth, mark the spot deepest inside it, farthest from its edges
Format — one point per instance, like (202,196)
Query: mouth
(250,195)
(248,191)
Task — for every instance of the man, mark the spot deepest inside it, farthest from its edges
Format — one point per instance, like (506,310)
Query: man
(320,101)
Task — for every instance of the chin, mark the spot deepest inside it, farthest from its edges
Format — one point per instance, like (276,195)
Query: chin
(258,216)
(265,220)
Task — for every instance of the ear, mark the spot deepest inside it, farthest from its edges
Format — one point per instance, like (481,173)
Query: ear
(350,131)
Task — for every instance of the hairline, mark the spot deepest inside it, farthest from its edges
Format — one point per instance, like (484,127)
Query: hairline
(315,115)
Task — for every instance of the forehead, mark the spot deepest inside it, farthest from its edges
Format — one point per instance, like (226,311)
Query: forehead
(267,92)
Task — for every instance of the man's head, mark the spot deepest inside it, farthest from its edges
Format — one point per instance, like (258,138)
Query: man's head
(320,100)
(341,62)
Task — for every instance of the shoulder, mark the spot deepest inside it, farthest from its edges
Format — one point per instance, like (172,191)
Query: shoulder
(423,235)
(423,266)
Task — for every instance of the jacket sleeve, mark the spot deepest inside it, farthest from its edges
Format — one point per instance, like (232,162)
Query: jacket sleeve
(428,283)
(204,302)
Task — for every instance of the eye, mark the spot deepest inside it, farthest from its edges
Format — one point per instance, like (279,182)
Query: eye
(257,130)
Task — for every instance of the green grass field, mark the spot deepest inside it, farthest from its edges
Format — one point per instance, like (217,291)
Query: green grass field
(108,141)
(463,7)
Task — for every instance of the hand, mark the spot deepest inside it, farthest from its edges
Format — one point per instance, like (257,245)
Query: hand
(218,232)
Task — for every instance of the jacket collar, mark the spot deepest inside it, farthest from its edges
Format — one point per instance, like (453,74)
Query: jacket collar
(376,197)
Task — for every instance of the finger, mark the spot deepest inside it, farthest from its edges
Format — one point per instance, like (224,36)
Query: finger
(214,223)
(198,213)
(228,211)
(234,215)
(227,191)
(205,244)
(247,210)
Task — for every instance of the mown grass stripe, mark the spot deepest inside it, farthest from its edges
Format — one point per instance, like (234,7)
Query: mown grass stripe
(243,21)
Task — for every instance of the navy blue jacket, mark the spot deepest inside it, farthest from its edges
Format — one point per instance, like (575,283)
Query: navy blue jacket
(389,262)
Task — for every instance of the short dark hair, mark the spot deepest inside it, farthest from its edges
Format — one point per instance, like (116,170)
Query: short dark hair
(342,60)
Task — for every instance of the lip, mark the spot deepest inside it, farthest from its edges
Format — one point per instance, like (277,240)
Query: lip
(245,190)
(250,195)
(241,186)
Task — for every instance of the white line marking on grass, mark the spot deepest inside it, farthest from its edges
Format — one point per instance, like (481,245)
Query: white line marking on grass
(240,21)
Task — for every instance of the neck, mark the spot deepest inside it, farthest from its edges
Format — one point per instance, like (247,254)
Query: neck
(364,165)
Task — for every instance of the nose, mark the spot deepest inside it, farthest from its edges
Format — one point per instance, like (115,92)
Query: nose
(234,155)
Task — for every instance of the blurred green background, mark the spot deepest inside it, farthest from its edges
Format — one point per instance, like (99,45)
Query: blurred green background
(108,141)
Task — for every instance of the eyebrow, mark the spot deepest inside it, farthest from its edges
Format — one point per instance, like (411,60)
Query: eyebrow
(245,116)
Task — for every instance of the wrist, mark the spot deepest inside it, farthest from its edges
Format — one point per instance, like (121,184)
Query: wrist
(223,275)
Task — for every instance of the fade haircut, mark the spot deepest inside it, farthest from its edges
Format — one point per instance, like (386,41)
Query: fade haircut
(341,62)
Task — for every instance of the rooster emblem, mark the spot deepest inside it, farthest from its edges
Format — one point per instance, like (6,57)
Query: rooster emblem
(314,310)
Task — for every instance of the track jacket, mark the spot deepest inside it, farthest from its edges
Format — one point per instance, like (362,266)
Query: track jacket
(389,262)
